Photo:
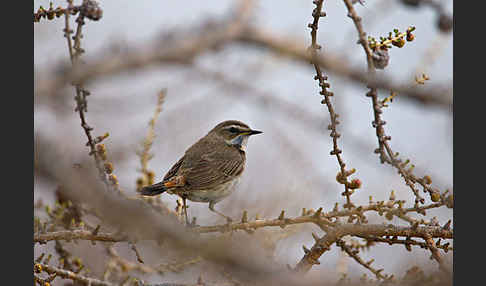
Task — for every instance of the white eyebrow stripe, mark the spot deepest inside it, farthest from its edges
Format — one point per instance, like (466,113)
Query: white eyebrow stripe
(239,127)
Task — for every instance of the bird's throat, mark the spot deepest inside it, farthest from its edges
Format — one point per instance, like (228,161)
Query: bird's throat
(239,142)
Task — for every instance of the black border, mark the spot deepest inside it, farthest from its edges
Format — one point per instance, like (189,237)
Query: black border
(468,126)
(17,142)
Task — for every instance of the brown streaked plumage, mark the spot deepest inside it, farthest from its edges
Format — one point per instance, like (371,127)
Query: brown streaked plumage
(209,169)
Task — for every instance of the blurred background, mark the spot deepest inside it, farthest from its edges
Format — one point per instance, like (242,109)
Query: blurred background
(288,166)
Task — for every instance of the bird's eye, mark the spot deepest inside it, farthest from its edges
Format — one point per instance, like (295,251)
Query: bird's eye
(233,130)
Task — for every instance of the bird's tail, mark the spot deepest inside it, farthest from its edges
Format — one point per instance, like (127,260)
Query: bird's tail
(153,190)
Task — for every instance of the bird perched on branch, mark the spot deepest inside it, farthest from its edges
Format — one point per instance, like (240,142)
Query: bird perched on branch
(209,169)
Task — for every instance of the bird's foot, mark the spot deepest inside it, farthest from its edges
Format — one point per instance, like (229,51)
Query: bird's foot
(192,224)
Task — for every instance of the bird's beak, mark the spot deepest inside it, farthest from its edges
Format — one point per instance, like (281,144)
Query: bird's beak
(253,132)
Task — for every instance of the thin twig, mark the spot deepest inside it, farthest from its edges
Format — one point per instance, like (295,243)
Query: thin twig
(52,13)
(384,149)
(354,254)
(407,242)
(144,155)
(75,52)
(435,253)
(343,174)
(66,274)
(77,234)
(134,248)
(161,268)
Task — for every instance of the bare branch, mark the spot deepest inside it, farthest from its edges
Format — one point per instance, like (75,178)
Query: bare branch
(66,274)
(77,234)
(354,254)
(324,244)
(189,46)
(435,253)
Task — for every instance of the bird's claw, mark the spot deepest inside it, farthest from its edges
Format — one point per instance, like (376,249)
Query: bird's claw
(192,224)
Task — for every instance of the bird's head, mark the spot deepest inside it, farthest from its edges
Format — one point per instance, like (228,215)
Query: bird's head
(234,133)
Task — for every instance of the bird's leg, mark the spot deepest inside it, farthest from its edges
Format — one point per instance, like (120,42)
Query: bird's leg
(185,210)
(211,208)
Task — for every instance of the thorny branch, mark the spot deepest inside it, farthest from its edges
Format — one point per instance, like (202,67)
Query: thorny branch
(361,230)
(384,149)
(75,52)
(354,254)
(57,12)
(435,253)
(406,242)
(342,176)
(90,9)
(77,234)
(126,266)
(390,156)
(323,244)
(332,234)
(66,274)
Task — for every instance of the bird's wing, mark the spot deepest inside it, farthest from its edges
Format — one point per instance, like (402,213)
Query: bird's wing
(213,169)
(171,179)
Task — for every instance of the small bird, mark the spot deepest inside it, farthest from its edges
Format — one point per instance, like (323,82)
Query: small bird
(210,169)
